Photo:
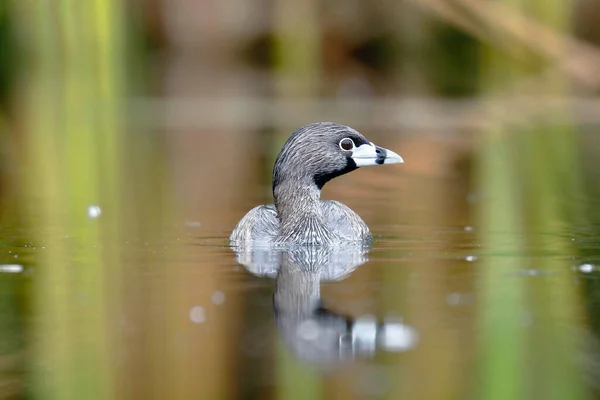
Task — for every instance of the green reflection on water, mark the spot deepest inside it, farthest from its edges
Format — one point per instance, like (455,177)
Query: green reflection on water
(73,153)
(294,379)
(529,178)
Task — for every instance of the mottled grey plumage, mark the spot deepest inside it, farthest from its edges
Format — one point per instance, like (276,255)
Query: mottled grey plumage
(309,159)
(332,263)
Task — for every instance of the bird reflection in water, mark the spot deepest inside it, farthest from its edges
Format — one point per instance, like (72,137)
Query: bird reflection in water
(314,333)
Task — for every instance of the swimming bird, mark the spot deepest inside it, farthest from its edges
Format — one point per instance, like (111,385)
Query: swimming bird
(313,155)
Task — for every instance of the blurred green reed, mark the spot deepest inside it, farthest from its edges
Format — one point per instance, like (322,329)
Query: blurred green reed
(295,379)
(74,151)
(528,177)
(297,60)
(297,48)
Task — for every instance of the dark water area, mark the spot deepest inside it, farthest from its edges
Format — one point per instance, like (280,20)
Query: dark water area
(413,316)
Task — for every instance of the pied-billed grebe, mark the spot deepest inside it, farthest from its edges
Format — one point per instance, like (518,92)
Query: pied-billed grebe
(313,155)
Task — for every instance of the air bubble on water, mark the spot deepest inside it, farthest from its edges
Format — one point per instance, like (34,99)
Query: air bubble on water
(586,268)
(11,268)
(453,299)
(16,256)
(94,211)
(218,297)
(469,228)
(197,314)
(192,224)
(471,258)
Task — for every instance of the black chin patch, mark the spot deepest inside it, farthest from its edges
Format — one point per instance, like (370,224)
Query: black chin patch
(321,179)
(381,155)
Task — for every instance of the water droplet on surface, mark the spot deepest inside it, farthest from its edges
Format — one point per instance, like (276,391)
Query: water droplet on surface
(218,297)
(197,314)
(94,211)
(471,258)
(11,268)
(586,268)
(455,299)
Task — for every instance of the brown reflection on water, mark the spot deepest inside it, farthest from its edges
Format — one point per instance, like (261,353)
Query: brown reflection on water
(184,320)
(182,324)
(215,172)
(438,200)
(205,332)
(429,190)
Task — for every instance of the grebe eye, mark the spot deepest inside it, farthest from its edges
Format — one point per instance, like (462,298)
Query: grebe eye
(346,144)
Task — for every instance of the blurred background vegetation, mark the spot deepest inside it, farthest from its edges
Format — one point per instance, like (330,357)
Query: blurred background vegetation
(166,115)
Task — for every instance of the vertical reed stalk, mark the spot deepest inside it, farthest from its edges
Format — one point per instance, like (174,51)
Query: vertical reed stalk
(528,177)
(75,93)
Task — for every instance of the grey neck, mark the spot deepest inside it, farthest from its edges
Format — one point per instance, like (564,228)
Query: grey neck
(296,200)
(300,212)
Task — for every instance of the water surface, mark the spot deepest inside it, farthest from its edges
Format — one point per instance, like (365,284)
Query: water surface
(425,313)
